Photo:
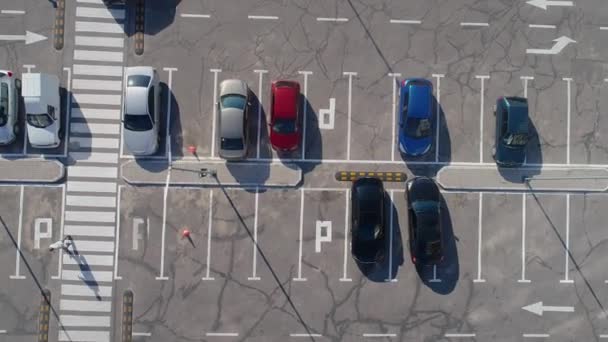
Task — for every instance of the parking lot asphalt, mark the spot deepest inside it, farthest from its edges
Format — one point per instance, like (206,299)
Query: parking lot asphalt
(274,264)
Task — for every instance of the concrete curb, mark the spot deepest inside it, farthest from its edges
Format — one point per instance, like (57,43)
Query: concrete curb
(233,174)
(546,179)
(30,170)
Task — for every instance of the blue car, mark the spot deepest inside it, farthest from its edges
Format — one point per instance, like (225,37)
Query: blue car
(415,117)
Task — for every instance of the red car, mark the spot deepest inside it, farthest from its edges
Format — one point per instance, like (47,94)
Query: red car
(285,116)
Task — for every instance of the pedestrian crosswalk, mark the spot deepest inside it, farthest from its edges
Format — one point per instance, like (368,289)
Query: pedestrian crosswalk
(85,302)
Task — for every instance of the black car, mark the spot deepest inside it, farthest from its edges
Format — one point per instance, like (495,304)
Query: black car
(512,131)
(424,215)
(367,227)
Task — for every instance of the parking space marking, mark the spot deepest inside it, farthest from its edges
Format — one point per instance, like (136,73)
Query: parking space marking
(94,128)
(568,112)
(82,321)
(394,82)
(97,99)
(481,115)
(164,228)
(350,103)
(438,78)
(141,334)
(604,336)
(479,279)
(405,21)
(102,187)
(102,13)
(87,26)
(61,233)
(83,335)
(98,55)
(305,335)
(170,70)
(379,335)
(222,334)
(390,242)
(97,70)
(214,119)
(91,201)
(566,279)
(89,84)
(17,274)
(95,157)
(94,246)
(467,24)
(260,101)
(459,335)
(12,12)
(195,15)
(86,276)
(523,240)
(305,111)
(300,237)
(525,79)
(340,20)
(346,226)
(535,335)
(262,17)
(210,223)
(90,216)
(94,259)
(435,279)
(112,42)
(254,261)
(93,171)
(541,26)
(96,113)
(101,231)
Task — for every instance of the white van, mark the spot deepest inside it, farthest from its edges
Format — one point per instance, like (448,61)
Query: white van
(42,113)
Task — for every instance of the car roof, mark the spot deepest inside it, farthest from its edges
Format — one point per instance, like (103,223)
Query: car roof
(419,100)
(518,115)
(368,193)
(136,101)
(424,189)
(286,100)
(231,125)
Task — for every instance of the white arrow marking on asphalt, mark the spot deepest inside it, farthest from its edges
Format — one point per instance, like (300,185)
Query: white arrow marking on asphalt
(546,3)
(538,308)
(560,44)
(28,37)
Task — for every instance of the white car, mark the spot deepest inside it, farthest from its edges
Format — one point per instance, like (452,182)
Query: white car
(141,112)
(9,107)
(233,108)
(42,112)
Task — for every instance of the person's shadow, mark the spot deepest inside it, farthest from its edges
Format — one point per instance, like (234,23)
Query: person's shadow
(387,269)
(87,276)
(443,277)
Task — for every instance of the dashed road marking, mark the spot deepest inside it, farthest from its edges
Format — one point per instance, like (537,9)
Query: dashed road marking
(460,335)
(12,12)
(195,15)
(405,21)
(342,20)
(541,26)
(262,17)
(474,24)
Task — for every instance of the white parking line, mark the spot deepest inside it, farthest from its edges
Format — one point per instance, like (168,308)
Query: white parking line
(98,70)
(604,28)
(536,335)
(300,237)
(2,331)
(213,120)
(75,229)
(86,291)
(305,111)
(96,113)
(404,21)
(92,259)
(480,213)
(75,186)
(12,12)
(523,240)
(88,84)
(94,246)
(222,334)
(85,305)
(346,232)
(566,279)
(94,142)
(164,228)
(102,13)
(147,334)
(254,261)
(305,335)
(604,336)
(465,24)
(91,201)
(93,171)
(379,335)
(85,321)
(195,15)
(438,78)
(260,101)
(481,115)
(89,26)
(209,224)
(90,216)
(83,335)
(460,335)
(394,110)
(94,128)
(435,279)
(111,42)
(342,20)
(541,26)
(169,109)
(568,106)
(99,56)
(525,79)
(97,99)
(20,228)
(61,232)
(390,240)
(262,17)
(350,103)
(104,276)
(94,157)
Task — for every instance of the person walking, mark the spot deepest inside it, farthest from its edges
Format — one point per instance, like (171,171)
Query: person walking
(63,244)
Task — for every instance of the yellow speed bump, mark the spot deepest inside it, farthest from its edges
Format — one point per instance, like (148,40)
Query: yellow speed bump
(351,176)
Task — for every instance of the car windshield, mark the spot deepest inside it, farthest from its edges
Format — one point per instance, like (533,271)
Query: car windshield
(418,128)
(3,104)
(232,144)
(138,122)
(516,139)
(39,120)
(432,248)
(284,126)
(233,101)
(138,81)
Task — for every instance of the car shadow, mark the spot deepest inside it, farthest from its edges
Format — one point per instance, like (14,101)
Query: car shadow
(532,165)
(387,269)
(441,153)
(257,120)
(312,141)
(158,15)
(443,277)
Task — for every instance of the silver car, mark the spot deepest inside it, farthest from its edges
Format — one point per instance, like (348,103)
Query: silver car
(233,112)
(141,112)
(9,107)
